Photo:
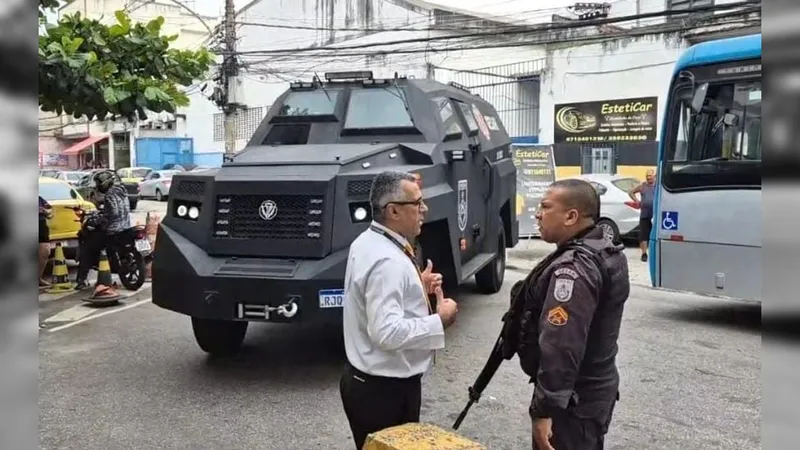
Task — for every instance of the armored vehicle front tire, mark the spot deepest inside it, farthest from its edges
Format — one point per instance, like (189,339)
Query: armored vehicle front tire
(490,278)
(219,337)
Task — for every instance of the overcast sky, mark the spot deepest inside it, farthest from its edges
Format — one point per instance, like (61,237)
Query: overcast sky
(528,8)
(498,7)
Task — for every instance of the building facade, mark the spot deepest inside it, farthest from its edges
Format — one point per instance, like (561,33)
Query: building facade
(547,80)
(66,142)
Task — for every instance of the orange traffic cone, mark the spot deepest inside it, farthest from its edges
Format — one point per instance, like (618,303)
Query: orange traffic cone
(104,292)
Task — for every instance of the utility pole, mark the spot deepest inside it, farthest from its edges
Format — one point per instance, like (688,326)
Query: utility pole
(230,73)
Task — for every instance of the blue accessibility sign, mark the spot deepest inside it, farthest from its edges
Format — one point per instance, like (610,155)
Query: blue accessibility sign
(669,220)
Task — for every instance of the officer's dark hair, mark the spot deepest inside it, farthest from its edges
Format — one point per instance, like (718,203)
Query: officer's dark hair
(387,187)
(580,195)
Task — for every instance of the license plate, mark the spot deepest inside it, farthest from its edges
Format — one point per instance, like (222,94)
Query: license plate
(70,243)
(142,245)
(331,298)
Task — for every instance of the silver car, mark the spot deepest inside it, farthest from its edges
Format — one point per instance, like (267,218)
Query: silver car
(619,215)
(156,184)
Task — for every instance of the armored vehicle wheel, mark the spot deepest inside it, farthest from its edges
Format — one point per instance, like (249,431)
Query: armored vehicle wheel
(490,278)
(219,337)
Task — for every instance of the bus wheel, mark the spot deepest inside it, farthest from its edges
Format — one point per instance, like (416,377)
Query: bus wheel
(610,230)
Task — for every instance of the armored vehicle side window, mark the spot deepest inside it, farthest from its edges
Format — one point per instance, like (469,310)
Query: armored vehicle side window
(467,111)
(450,120)
(310,103)
(378,108)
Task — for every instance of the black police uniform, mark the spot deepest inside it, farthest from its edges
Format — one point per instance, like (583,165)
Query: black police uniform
(577,382)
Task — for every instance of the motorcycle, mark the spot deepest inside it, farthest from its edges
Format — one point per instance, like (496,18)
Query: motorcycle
(128,252)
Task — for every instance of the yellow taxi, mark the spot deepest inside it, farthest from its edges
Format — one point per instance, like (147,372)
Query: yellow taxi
(133,174)
(64,224)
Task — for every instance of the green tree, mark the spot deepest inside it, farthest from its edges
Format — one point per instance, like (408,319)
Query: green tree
(93,70)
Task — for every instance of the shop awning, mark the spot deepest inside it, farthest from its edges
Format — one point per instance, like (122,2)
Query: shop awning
(77,148)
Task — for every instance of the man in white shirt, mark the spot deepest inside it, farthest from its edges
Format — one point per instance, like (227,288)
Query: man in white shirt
(390,330)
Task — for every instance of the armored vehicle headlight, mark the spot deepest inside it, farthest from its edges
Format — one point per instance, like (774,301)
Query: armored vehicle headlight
(182,210)
(194,212)
(360,213)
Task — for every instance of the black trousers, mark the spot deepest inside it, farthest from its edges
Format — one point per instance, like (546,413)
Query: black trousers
(645,225)
(91,244)
(574,432)
(374,403)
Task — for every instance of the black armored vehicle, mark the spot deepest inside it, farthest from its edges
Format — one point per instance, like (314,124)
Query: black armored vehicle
(266,236)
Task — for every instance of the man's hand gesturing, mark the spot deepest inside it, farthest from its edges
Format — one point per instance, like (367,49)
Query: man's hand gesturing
(446,308)
(430,280)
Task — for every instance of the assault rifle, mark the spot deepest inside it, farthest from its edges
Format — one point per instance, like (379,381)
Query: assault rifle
(506,345)
(475,391)
(514,322)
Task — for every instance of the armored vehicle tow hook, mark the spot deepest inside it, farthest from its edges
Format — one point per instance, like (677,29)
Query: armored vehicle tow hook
(287,310)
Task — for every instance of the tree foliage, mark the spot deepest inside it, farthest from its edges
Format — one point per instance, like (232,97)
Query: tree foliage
(93,70)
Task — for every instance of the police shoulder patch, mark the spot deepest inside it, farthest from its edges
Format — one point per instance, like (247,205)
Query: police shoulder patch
(562,290)
(557,316)
(565,271)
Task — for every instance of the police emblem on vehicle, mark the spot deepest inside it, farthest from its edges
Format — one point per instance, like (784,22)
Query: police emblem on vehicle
(462,204)
(268,210)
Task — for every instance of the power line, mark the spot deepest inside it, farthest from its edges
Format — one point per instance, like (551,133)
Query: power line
(516,30)
(583,39)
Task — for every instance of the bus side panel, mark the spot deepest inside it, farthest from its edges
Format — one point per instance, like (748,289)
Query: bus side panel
(696,267)
(710,237)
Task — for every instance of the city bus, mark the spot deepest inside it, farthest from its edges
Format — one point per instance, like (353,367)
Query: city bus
(706,235)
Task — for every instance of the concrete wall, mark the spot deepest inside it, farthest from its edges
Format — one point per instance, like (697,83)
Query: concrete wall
(267,77)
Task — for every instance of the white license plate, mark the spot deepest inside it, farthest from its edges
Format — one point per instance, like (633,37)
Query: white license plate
(331,298)
(70,243)
(142,245)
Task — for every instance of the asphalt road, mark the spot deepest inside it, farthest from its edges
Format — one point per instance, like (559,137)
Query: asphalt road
(134,378)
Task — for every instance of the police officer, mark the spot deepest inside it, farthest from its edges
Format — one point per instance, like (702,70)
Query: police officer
(576,379)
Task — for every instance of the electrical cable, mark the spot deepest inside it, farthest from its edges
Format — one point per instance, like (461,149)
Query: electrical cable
(584,39)
(519,30)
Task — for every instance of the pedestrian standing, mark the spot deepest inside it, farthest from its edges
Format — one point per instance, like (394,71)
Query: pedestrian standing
(45,213)
(646,192)
(568,342)
(390,329)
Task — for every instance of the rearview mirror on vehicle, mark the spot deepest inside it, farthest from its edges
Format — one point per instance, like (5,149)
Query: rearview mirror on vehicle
(699,97)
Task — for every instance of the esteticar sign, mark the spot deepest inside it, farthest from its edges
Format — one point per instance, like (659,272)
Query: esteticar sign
(622,120)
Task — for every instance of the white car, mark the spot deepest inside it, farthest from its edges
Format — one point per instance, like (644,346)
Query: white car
(619,215)
(156,184)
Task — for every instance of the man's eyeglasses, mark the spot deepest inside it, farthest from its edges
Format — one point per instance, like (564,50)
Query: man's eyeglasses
(418,203)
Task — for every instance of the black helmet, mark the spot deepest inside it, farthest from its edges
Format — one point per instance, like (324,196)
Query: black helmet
(104,180)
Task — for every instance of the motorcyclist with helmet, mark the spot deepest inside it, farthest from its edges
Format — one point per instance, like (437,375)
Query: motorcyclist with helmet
(103,224)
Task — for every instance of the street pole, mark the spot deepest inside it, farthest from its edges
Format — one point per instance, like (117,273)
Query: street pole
(230,72)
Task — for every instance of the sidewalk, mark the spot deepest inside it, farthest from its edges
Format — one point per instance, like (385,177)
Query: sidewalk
(528,253)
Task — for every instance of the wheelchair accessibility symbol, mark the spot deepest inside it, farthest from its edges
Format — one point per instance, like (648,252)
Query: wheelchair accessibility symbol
(669,220)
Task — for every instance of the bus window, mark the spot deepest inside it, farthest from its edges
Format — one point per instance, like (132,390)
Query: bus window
(721,145)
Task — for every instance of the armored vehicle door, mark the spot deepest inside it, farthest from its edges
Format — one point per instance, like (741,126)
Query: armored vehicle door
(473,176)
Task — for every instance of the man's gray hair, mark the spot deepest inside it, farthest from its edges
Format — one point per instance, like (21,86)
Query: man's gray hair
(387,187)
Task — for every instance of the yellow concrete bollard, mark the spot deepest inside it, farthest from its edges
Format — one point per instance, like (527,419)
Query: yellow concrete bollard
(418,436)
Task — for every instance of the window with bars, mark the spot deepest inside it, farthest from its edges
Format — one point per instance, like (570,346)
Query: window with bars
(678,5)
(685,5)
(246,123)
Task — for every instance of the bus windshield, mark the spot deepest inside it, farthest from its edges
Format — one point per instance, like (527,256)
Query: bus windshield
(720,145)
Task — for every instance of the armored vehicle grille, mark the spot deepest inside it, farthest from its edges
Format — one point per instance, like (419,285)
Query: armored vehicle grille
(275,217)
(359,187)
(196,188)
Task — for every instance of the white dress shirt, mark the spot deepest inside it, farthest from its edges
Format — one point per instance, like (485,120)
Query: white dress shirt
(388,329)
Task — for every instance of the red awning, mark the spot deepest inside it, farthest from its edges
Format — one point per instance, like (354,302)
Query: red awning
(75,149)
